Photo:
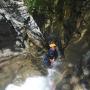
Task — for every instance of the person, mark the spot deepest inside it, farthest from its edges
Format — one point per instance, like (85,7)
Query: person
(54,37)
(51,55)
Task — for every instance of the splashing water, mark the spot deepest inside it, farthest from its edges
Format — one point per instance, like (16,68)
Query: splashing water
(38,82)
(32,83)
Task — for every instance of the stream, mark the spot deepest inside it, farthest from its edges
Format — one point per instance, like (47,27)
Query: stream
(47,82)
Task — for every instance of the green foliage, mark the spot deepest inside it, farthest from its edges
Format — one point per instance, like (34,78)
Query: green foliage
(56,10)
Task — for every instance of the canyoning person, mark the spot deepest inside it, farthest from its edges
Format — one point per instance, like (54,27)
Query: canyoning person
(54,37)
(51,55)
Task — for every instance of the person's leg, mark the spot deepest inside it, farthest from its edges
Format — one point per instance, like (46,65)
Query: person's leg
(46,61)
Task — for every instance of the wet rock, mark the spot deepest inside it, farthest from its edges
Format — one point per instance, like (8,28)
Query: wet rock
(66,87)
(74,80)
(14,19)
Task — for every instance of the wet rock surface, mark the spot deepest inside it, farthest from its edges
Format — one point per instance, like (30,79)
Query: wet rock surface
(17,69)
(17,26)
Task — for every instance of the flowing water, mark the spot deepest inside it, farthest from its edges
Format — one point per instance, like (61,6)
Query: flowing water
(40,82)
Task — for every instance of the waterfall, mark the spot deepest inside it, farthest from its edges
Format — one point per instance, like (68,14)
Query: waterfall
(40,82)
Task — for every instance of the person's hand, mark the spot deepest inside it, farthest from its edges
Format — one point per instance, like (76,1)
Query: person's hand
(52,60)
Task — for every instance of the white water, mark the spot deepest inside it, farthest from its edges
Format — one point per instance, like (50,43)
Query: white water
(37,82)
(32,83)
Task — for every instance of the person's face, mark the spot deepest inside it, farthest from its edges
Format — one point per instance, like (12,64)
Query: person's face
(53,48)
